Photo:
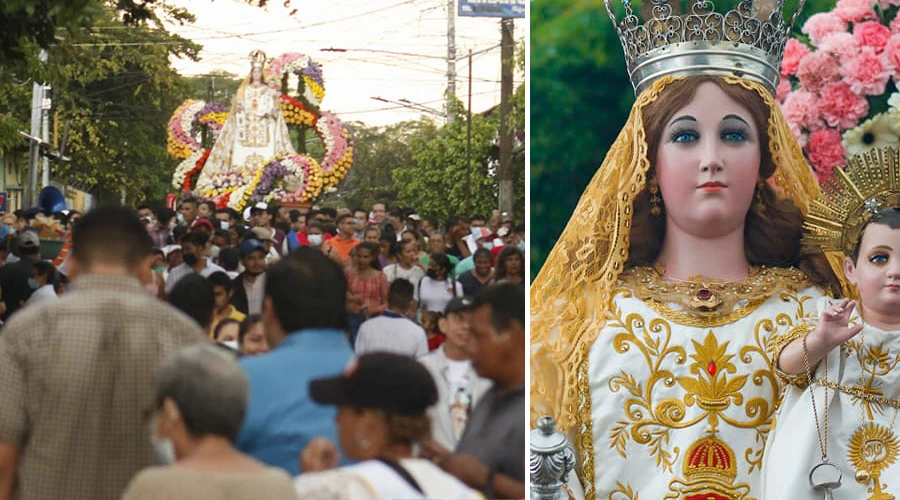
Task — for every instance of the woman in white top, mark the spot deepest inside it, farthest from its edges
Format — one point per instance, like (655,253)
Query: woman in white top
(407,266)
(382,401)
(438,287)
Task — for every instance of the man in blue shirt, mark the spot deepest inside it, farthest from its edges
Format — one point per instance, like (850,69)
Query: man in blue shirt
(305,320)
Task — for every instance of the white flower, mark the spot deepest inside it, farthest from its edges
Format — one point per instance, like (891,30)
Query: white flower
(873,133)
(894,100)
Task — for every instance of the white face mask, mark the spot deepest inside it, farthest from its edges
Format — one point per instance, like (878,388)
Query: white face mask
(488,245)
(180,218)
(163,449)
(315,239)
(214,251)
(231,344)
(224,225)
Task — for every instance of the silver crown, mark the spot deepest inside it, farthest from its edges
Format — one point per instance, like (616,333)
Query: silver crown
(747,41)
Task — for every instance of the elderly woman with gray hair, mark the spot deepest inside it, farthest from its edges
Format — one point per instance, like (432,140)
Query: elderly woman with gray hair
(201,396)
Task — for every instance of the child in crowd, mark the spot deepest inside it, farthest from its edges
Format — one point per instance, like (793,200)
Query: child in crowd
(838,415)
(430,320)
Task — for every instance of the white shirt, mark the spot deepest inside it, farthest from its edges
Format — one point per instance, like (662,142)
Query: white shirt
(45,293)
(182,270)
(434,295)
(388,333)
(413,274)
(445,420)
(255,293)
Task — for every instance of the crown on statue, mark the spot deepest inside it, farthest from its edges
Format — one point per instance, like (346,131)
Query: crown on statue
(257,59)
(870,182)
(747,41)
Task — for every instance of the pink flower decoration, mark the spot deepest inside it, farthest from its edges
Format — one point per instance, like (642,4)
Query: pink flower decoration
(892,53)
(895,25)
(820,25)
(872,34)
(825,152)
(794,51)
(867,73)
(799,135)
(784,88)
(818,69)
(801,108)
(887,4)
(843,44)
(841,107)
(854,11)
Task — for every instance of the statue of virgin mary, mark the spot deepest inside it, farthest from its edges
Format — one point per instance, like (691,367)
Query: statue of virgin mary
(254,132)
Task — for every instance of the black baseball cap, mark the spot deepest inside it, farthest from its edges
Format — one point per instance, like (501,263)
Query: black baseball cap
(458,304)
(382,380)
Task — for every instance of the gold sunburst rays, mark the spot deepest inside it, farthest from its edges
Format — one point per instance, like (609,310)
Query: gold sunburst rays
(839,213)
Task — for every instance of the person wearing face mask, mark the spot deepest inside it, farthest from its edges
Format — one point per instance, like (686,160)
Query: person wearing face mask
(201,396)
(317,237)
(195,252)
(41,281)
(436,289)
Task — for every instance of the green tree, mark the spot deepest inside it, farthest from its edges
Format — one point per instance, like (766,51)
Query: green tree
(580,98)
(117,99)
(435,181)
(379,150)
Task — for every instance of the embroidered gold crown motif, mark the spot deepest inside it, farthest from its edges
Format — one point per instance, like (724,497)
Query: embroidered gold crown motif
(747,41)
(869,182)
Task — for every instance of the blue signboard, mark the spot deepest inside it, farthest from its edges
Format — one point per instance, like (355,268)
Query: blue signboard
(492,8)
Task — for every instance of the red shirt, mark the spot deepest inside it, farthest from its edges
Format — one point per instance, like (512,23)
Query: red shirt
(436,341)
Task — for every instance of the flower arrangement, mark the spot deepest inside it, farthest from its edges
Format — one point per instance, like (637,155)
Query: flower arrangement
(338,148)
(211,115)
(303,66)
(289,178)
(839,92)
(181,140)
(295,112)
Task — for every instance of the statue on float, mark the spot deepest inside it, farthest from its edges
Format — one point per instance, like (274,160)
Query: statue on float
(253,158)
(254,132)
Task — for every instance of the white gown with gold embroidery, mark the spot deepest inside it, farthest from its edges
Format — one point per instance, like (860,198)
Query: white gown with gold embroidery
(680,402)
(252,134)
(860,433)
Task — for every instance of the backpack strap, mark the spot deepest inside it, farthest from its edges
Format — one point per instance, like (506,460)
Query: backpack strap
(396,467)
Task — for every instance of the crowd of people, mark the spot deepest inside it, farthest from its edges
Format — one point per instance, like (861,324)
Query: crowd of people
(275,353)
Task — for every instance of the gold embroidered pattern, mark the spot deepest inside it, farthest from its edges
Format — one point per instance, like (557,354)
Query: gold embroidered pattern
(712,386)
(873,448)
(782,341)
(703,303)
(709,473)
(584,441)
(623,492)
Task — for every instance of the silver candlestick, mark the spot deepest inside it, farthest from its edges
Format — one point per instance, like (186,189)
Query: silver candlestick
(552,459)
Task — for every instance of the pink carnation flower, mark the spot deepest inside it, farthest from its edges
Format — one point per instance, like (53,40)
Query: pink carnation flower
(820,25)
(782,91)
(818,69)
(794,51)
(825,152)
(872,34)
(854,11)
(892,53)
(799,135)
(887,4)
(867,73)
(842,44)
(895,25)
(801,108)
(841,107)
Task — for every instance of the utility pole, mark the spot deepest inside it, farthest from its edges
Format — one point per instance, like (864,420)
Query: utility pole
(469,144)
(507,176)
(451,57)
(37,104)
(46,103)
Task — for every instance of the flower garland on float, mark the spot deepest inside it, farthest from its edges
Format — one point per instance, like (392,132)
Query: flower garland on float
(839,91)
(296,178)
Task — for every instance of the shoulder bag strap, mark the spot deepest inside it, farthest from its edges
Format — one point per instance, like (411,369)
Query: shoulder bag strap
(396,467)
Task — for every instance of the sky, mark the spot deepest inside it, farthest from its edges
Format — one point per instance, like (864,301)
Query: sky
(394,50)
